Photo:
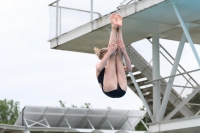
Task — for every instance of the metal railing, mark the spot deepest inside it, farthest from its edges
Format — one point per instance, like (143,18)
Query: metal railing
(141,58)
(147,65)
(179,64)
(123,4)
(58,14)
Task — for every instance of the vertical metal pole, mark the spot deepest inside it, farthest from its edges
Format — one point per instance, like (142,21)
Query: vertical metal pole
(57,4)
(156,75)
(23,116)
(91,13)
(60,21)
(171,80)
(187,34)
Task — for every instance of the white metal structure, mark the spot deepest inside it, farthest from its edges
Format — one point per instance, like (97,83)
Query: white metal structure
(168,19)
(56,119)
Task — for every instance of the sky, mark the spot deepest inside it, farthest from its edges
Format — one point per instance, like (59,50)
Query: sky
(34,74)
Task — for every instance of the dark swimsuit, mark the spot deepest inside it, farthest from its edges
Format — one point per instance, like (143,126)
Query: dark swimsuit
(113,94)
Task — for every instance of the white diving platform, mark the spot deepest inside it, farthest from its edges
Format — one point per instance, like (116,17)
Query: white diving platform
(140,21)
(177,20)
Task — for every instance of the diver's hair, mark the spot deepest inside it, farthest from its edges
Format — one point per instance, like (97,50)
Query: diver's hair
(100,52)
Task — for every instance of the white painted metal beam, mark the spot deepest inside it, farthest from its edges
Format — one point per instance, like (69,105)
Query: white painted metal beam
(68,123)
(110,125)
(172,76)
(140,63)
(156,75)
(171,80)
(141,95)
(185,101)
(187,34)
(78,10)
(178,125)
(90,124)
(144,125)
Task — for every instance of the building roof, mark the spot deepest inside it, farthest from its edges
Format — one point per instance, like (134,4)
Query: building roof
(38,118)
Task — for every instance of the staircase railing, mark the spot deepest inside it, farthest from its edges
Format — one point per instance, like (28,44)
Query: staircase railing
(147,65)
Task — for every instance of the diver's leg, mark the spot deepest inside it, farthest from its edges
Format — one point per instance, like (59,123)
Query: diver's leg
(110,77)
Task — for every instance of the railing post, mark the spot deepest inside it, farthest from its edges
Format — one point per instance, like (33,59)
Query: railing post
(60,21)
(186,32)
(91,13)
(57,4)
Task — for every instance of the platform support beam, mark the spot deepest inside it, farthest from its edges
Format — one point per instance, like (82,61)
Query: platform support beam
(156,75)
(171,80)
(185,101)
(186,32)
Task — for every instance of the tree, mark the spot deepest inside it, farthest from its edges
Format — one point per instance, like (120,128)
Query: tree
(146,119)
(9,111)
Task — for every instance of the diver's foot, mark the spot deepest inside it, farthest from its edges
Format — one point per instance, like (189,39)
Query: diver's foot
(113,21)
(119,20)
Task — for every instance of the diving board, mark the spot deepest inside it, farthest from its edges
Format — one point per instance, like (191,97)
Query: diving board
(140,20)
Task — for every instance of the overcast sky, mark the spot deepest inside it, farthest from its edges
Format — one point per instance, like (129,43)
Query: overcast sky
(34,74)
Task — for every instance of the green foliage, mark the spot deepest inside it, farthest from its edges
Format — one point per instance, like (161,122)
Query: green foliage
(140,126)
(74,106)
(195,100)
(9,111)
(146,119)
(86,105)
(62,104)
(109,108)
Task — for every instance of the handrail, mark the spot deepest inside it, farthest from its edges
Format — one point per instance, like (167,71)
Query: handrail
(177,69)
(172,76)
(78,10)
(58,26)
(150,67)
(179,64)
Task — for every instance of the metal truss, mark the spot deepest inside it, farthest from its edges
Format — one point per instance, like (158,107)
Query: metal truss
(158,108)
(156,95)
(27,121)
